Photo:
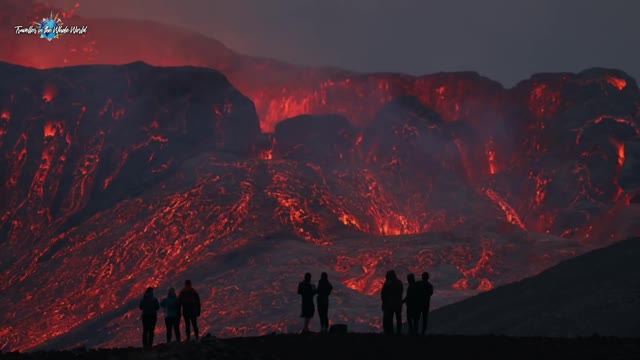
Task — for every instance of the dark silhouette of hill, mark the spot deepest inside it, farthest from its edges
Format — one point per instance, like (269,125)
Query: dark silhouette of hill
(361,346)
(596,293)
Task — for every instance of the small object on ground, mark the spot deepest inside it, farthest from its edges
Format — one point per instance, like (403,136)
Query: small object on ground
(338,329)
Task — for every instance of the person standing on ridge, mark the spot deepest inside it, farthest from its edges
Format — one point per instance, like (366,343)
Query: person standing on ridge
(307,291)
(323,291)
(426,300)
(149,306)
(391,295)
(414,302)
(171,307)
(190,304)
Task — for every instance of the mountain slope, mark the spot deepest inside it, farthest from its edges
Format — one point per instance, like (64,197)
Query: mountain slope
(598,292)
(119,177)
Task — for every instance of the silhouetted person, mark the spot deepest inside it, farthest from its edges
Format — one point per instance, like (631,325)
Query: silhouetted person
(190,304)
(414,301)
(149,306)
(428,292)
(171,307)
(307,290)
(391,295)
(323,290)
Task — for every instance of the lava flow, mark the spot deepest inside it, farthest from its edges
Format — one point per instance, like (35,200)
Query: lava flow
(243,173)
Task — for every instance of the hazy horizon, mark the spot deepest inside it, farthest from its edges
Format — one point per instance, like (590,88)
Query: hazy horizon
(409,36)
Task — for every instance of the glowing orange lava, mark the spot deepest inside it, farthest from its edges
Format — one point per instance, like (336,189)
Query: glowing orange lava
(621,154)
(491,157)
(618,83)
(51,128)
(509,212)
(49,93)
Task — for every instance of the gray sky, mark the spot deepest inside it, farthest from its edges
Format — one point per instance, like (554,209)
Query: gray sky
(506,40)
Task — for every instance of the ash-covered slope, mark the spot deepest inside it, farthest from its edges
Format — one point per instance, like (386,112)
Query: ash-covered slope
(594,293)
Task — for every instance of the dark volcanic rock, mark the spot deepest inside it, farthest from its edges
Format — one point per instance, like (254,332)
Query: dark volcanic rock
(96,135)
(595,293)
(629,177)
(327,138)
(406,133)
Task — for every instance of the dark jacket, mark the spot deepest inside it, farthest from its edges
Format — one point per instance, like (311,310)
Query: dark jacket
(415,298)
(171,306)
(307,290)
(149,305)
(323,291)
(190,302)
(428,292)
(391,295)
(429,288)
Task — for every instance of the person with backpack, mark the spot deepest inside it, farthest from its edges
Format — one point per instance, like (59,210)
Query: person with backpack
(307,291)
(149,306)
(323,291)
(171,307)
(190,304)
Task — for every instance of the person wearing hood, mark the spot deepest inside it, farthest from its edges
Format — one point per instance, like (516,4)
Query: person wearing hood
(149,306)
(171,306)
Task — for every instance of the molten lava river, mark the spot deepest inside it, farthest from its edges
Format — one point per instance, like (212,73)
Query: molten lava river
(242,173)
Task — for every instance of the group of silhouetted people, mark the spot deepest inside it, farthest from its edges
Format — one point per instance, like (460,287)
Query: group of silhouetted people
(185,304)
(417,301)
(307,291)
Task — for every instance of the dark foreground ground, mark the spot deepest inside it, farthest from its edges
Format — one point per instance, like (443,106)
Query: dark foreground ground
(363,346)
